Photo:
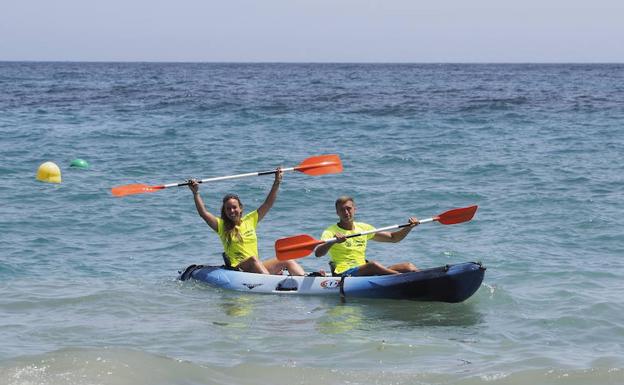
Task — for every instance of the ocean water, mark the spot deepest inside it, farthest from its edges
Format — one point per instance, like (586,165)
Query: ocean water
(88,288)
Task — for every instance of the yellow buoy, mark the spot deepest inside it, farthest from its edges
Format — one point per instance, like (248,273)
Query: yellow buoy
(49,172)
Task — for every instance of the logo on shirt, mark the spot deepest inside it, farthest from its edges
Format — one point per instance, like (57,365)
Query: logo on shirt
(353,243)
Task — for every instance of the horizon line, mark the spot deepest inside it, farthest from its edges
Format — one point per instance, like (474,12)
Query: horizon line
(307,62)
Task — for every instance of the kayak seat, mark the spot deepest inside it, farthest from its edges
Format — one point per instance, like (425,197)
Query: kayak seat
(332,268)
(227,265)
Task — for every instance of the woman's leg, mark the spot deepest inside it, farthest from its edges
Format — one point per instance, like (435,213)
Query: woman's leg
(253,265)
(275,266)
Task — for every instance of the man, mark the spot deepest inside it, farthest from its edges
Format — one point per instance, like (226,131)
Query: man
(349,255)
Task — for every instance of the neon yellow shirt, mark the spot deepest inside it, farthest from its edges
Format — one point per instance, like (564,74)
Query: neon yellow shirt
(352,252)
(239,250)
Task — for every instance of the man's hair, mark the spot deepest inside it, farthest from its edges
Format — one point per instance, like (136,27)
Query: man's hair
(344,199)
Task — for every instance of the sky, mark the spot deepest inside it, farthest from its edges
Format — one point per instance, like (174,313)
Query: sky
(399,31)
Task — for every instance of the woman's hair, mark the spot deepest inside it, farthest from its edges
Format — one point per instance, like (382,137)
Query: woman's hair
(231,232)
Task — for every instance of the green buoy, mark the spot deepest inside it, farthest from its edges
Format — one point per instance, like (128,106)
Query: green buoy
(80,163)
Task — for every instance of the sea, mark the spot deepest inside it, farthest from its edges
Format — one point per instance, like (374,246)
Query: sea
(89,289)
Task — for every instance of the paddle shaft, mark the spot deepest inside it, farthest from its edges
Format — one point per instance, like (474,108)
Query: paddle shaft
(315,165)
(228,177)
(334,240)
(301,245)
(312,243)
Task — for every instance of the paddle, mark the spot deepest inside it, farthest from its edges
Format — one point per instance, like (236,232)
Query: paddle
(299,246)
(315,165)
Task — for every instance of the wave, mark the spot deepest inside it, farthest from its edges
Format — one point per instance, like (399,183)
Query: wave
(112,366)
(495,104)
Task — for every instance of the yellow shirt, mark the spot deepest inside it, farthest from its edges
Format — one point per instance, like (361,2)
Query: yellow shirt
(352,252)
(239,250)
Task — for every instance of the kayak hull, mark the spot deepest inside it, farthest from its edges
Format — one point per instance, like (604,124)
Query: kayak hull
(449,283)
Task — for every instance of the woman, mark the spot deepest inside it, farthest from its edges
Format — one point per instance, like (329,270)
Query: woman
(238,232)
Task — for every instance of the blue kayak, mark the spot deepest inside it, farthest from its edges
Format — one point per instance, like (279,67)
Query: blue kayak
(449,283)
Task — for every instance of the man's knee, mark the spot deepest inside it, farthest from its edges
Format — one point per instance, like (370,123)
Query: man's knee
(376,267)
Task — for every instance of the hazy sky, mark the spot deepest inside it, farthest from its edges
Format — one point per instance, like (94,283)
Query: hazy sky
(313,30)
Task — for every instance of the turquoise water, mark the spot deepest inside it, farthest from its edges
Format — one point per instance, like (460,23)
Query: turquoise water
(88,289)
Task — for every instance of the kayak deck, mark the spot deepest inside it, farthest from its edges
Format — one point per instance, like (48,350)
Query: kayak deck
(449,283)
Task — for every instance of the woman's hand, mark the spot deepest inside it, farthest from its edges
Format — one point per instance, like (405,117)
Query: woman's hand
(270,199)
(193,186)
(278,175)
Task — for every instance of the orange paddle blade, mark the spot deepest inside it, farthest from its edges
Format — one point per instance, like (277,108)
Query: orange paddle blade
(454,216)
(297,246)
(320,165)
(131,189)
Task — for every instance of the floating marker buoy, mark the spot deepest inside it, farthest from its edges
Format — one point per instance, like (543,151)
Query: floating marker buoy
(49,172)
(80,163)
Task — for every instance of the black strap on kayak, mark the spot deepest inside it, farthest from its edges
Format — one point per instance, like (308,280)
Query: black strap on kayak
(188,271)
(342,293)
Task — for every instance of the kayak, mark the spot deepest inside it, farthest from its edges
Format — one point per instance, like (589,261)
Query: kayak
(449,283)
